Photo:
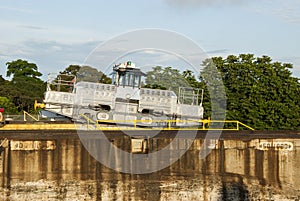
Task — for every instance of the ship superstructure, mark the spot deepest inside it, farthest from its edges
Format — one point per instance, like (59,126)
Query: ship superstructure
(125,101)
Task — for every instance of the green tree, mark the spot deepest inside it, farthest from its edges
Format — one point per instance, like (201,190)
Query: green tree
(71,70)
(9,107)
(191,79)
(21,68)
(214,91)
(260,92)
(2,80)
(72,73)
(64,80)
(90,74)
(25,86)
(165,78)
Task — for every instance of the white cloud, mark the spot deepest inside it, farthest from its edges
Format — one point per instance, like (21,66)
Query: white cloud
(11,50)
(32,27)
(50,56)
(63,34)
(287,10)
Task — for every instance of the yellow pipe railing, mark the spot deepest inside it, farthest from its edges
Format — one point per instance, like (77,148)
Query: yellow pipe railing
(163,124)
(31,116)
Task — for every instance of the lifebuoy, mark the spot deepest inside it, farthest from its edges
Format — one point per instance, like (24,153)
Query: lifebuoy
(146,120)
(102,116)
(1,116)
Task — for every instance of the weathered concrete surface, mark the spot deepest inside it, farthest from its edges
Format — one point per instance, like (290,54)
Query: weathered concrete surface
(260,168)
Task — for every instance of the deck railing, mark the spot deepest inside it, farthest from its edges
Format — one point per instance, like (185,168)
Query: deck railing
(205,124)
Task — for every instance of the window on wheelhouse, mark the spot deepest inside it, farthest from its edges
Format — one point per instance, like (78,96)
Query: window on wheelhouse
(137,81)
(127,76)
(113,78)
(128,79)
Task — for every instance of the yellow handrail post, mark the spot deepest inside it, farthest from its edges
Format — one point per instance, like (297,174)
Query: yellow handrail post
(246,126)
(26,113)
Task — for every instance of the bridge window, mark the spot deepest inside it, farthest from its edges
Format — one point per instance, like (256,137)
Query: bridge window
(137,80)
(121,80)
(113,78)
(129,79)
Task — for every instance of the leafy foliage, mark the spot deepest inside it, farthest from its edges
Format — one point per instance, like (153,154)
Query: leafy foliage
(25,86)
(65,79)
(90,74)
(260,92)
(256,91)
(9,106)
(21,68)
(27,91)
(165,78)
(214,91)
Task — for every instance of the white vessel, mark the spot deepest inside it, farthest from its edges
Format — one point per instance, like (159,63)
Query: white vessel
(126,102)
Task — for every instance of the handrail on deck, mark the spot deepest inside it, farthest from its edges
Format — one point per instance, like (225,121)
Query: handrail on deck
(165,124)
(31,116)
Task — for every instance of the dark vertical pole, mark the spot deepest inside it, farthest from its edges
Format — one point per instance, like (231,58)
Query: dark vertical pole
(247,160)
(222,157)
(6,166)
(98,181)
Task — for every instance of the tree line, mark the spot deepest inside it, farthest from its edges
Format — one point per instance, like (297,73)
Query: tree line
(259,92)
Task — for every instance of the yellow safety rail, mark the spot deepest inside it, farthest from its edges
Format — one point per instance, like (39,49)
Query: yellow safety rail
(39,126)
(206,124)
(31,116)
(90,124)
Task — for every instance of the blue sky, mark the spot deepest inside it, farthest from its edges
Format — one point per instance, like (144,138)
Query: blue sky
(54,34)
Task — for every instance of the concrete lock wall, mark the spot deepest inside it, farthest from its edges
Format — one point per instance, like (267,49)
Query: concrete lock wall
(62,169)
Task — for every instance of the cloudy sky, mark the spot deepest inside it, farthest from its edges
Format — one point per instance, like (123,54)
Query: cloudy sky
(54,34)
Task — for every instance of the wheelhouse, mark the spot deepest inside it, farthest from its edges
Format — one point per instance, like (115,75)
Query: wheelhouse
(126,74)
